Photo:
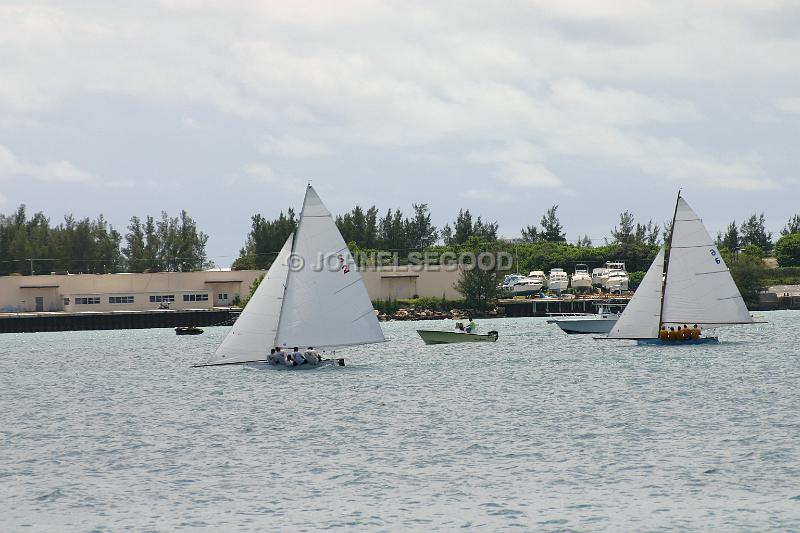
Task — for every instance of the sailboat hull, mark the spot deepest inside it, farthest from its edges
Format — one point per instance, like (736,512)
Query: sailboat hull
(659,342)
(587,325)
(324,362)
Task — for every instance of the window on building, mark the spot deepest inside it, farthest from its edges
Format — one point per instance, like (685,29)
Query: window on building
(120,299)
(159,298)
(195,297)
(90,300)
(222,296)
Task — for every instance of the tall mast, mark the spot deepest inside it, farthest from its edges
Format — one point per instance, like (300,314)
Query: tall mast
(667,253)
(289,270)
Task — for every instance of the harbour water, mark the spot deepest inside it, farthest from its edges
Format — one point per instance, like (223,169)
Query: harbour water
(111,430)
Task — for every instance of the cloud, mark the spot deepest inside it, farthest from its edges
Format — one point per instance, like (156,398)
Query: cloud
(50,171)
(668,158)
(518,150)
(789,105)
(615,106)
(292,147)
(262,174)
(518,164)
(528,175)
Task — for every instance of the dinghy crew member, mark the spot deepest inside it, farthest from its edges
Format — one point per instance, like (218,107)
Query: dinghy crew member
(297,357)
(673,335)
(311,356)
(695,331)
(663,334)
(274,358)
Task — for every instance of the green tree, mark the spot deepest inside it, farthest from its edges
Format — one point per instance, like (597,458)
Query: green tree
(748,272)
(134,246)
(647,234)
(420,232)
(265,240)
(787,250)
(107,240)
(391,231)
(552,230)
(625,232)
(152,247)
(464,228)
(792,226)
(753,231)
(531,234)
(730,239)
(359,226)
(478,281)
(253,286)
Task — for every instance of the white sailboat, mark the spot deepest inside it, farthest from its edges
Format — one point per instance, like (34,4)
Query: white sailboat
(312,295)
(691,286)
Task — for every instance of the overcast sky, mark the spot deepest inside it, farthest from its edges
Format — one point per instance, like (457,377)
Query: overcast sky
(226,109)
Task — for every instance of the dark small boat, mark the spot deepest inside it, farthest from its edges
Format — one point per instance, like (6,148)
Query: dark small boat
(188,330)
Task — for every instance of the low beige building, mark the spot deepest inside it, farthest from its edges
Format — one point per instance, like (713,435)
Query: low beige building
(189,290)
(409,282)
(124,292)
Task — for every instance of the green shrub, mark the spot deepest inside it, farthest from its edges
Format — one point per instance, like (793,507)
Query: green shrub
(430,303)
(787,250)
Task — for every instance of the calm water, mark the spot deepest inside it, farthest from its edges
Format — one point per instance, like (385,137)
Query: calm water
(113,430)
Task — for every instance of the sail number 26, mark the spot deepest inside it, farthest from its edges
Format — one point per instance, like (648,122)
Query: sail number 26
(714,255)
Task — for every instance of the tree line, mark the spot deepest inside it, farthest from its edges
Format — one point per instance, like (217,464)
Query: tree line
(366,229)
(32,245)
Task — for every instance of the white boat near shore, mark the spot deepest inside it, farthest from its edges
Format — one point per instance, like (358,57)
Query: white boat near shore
(558,280)
(519,285)
(600,322)
(616,278)
(581,279)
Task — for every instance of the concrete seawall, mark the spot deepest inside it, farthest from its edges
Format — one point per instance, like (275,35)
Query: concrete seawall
(35,322)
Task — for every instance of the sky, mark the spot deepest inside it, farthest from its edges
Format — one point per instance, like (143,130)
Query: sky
(227,109)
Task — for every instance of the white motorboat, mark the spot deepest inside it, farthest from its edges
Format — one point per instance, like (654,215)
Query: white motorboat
(558,280)
(538,277)
(519,285)
(599,276)
(600,322)
(312,295)
(508,283)
(581,279)
(616,278)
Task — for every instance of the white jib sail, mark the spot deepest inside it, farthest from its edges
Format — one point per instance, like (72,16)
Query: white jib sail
(254,332)
(640,319)
(326,303)
(699,288)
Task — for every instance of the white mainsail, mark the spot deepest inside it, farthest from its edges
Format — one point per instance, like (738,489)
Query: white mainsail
(640,319)
(699,288)
(254,332)
(326,303)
